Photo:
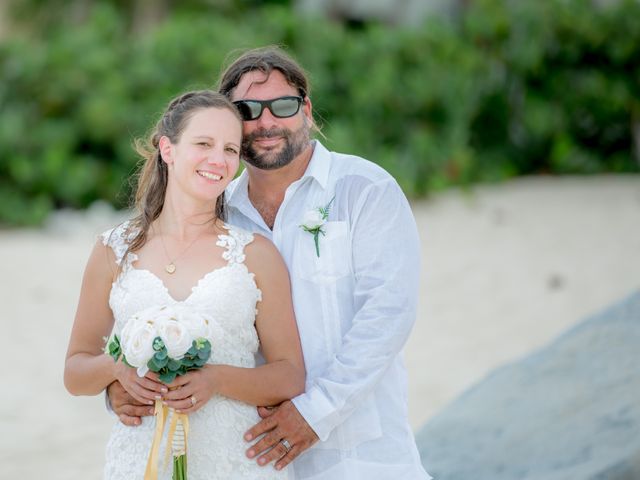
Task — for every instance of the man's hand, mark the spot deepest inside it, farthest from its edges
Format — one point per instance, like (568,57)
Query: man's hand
(282,426)
(128,409)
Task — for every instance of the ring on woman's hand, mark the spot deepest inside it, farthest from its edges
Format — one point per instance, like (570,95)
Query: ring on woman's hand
(193,400)
(285,444)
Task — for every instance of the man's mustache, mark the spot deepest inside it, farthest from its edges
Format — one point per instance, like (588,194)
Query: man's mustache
(264,133)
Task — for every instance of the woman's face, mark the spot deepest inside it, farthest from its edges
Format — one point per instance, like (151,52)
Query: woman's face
(206,157)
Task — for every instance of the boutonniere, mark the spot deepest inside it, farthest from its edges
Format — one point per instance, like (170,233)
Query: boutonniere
(313,221)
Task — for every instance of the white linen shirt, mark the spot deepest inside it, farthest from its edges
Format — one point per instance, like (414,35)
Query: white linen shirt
(355,305)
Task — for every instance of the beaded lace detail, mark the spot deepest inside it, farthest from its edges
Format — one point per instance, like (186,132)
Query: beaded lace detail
(234,243)
(118,238)
(229,294)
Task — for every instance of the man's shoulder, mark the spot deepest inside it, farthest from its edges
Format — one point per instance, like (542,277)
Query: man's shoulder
(355,176)
(349,165)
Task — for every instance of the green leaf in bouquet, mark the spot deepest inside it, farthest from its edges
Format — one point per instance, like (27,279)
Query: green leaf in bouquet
(153,365)
(187,361)
(114,348)
(199,362)
(158,345)
(161,355)
(173,365)
(167,377)
(204,354)
(202,343)
(124,360)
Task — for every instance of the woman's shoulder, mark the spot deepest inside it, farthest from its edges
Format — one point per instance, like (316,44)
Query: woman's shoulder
(263,257)
(119,237)
(262,245)
(245,237)
(121,232)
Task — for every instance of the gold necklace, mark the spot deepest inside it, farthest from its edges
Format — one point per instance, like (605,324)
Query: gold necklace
(170,267)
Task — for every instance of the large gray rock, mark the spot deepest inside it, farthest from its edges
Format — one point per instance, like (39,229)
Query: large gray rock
(570,411)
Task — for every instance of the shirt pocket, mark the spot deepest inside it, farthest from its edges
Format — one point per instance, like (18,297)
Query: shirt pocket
(334,261)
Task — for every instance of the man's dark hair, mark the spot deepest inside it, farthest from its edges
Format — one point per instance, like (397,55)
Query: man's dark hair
(264,59)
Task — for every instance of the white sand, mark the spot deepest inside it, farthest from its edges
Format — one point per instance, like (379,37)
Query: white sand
(506,269)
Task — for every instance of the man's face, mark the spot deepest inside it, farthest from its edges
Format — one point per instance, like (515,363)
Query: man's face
(270,142)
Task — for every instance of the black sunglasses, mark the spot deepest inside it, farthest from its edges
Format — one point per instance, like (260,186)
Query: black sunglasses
(281,107)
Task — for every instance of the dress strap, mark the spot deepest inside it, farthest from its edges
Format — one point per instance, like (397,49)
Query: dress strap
(119,238)
(234,242)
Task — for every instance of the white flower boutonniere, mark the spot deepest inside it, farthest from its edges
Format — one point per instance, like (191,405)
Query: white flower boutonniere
(314,220)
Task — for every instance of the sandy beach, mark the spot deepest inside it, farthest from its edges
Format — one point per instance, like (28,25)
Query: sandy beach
(506,268)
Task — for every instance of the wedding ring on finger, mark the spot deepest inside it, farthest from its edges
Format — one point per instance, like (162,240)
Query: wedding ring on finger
(193,400)
(285,443)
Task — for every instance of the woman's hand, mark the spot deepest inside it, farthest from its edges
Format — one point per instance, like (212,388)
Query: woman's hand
(145,389)
(189,392)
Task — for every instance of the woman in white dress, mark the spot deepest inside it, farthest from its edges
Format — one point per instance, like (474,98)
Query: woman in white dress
(179,251)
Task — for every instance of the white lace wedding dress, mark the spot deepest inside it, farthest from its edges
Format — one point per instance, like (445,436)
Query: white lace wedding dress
(216,448)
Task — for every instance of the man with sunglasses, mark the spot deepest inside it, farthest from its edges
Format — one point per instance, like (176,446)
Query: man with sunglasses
(354,296)
(348,236)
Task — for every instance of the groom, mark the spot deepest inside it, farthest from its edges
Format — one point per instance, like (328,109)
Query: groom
(348,236)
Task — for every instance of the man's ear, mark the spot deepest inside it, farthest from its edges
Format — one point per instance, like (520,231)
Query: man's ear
(166,150)
(307,109)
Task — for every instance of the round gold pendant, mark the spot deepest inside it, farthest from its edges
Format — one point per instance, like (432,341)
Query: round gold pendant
(170,268)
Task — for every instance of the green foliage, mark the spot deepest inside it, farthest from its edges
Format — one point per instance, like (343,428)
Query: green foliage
(114,349)
(168,368)
(179,468)
(567,99)
(508,88)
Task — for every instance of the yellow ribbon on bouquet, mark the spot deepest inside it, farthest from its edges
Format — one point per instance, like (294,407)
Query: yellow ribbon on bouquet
(161,413)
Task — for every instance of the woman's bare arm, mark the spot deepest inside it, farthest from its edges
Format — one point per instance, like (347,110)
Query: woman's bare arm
(87,369)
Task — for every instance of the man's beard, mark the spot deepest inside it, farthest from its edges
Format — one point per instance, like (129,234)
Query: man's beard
(294,145)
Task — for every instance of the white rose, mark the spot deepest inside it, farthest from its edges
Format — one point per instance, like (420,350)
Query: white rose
(157,315)
(197,324)
(313,219)
(137,343)
(176,338)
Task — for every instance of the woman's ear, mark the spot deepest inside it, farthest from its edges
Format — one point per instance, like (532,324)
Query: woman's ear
(166,150)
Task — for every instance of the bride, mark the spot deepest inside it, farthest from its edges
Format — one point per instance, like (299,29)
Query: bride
(179,251)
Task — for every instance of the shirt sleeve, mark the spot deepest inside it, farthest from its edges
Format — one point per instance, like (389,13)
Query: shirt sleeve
(107,403)
(386,262)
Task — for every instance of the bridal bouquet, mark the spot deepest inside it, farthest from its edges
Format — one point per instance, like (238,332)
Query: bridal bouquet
(169,341)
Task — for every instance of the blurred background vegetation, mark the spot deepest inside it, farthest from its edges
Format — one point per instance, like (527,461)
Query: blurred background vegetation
(497,89)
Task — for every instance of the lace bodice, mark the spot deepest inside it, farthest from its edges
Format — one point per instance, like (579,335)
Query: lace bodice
(229,295)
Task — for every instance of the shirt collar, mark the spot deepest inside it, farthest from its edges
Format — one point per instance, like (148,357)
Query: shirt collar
(238,190)
(318,169)
(319,165)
